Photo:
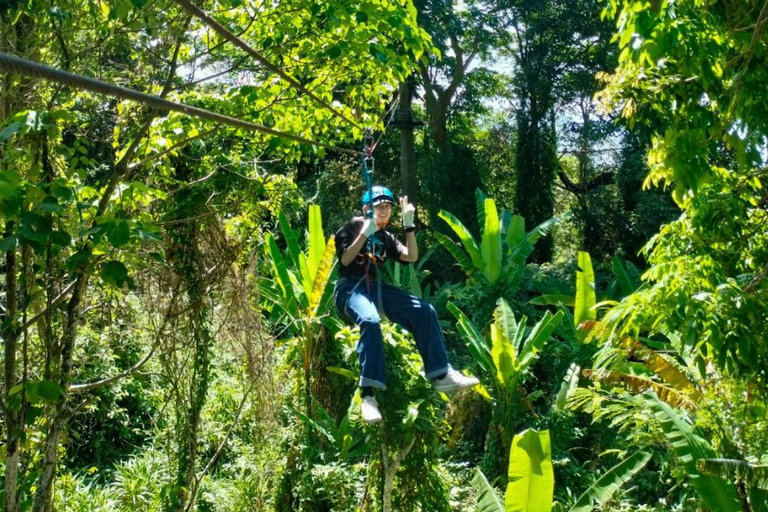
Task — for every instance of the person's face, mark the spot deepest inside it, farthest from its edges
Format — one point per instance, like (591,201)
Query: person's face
(381,213)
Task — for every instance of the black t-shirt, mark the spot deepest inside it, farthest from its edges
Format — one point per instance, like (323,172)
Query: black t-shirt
(346,235)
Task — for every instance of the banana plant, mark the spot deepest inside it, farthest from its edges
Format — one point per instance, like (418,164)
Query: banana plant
(299,286)
(531,479)
(506,353)
(504,245)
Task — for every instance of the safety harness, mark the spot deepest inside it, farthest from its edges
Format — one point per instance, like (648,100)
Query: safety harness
(374,248)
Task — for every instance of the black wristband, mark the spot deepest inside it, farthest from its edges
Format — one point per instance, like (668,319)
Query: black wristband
(411,229)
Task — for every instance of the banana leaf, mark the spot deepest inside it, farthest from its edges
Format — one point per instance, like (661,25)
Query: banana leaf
(639,385)
(516,231)
(290,238)
(466,239)
(734,469)
(689,447)
(491,243)
(460,256)
(570,382)
(476,342)
(324,271)
(487,498)
(531,477)
(662,367)
(480,198)
(288,302)
(585,291)
(316,239)
(504,317)
(553,300)
(536,339)
(604,488)
(503,355)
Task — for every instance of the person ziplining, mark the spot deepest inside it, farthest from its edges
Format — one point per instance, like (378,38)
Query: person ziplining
(362,244)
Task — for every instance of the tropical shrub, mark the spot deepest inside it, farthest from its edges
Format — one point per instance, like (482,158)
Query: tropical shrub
(505,355)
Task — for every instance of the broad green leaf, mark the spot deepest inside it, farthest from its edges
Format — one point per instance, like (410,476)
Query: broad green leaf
(469,243)
(114,273)
(606,486)
(413,283)
(733,470)
(622,276)
(316,239)
(570,382)
(118,233)
(487,498)
(537,338)
(516,231)
(343,372)
(689,447)
(9,243)
(491,243)
(307,281)
(290,238)
(568,329)
(506,319)
(323,274)
(460,256)
(476,342)
(531,478)
(50,391)
(503,354)
(10,130)
(288,302)
(585,291)
(480,204)
(553,300)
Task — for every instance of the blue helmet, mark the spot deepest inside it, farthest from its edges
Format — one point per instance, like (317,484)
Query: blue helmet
(380,195)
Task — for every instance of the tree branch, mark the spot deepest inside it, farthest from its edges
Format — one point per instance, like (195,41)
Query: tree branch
(81,388)
(582,188)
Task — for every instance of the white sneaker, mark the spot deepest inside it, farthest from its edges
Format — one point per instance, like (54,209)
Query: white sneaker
(454,381)
(369,410)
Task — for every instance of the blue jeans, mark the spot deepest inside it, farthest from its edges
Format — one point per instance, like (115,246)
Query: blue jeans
(418,317)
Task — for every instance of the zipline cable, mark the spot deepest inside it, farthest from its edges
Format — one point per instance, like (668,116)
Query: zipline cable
(222,30)
(19,66)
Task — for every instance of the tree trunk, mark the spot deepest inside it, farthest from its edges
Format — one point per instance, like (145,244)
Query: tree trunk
(390,470)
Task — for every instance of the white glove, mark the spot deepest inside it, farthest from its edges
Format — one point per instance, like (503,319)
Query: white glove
(408,212)
(369,228)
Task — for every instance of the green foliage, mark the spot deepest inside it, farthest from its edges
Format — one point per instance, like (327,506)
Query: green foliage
(504,245)
(606,486)
(585,291)
(531,480)
(690,447)
(706,135)
(506,353)
(412,429)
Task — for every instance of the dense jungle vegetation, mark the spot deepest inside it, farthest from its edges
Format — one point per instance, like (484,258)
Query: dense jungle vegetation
(591,190)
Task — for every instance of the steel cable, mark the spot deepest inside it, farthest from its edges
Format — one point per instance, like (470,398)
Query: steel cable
(19,66)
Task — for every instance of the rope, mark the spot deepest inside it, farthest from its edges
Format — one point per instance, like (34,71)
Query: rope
(215,25)
(18,66)
(388,117)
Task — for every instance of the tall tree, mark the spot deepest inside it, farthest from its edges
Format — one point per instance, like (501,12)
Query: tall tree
(552,41)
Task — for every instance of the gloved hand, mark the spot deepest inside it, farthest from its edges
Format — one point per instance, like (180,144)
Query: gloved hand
(369,228)
(408,212)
